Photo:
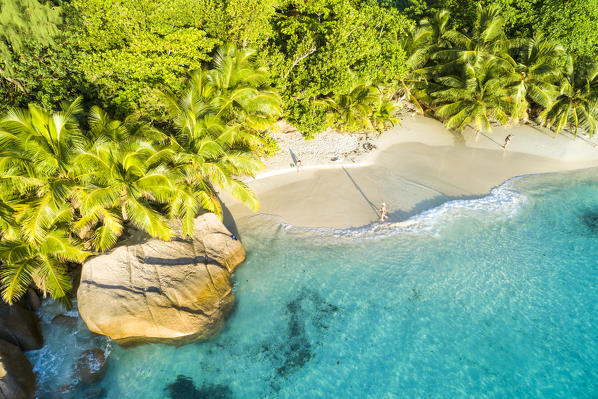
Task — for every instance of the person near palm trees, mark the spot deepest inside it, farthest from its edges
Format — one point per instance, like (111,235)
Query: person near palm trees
(507,141)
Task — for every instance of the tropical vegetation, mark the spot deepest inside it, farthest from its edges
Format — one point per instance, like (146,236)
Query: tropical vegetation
(133,113)
(70,187)
(482,76)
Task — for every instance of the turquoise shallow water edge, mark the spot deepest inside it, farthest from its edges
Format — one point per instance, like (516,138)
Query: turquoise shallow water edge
(488,298)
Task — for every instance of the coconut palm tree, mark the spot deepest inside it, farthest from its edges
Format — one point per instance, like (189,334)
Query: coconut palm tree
(481,92)
(43,261)
(486,40)
(437,30)
(210,154)
(353,111)
(37,183)
(125,178)
(577,103)
(239,90)
(37,149)
(537,71)
(385,114)
(420,44)
(220,122)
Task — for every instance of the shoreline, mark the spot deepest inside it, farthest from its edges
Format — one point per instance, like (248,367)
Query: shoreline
(412,168)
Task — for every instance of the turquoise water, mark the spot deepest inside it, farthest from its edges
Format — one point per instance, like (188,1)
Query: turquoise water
(489,298)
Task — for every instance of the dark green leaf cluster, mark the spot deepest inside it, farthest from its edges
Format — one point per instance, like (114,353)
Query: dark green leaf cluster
(122,54)
(573,23)
(33,64)
(322,49)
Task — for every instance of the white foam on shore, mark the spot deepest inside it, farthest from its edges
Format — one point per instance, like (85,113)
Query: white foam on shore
(502,202)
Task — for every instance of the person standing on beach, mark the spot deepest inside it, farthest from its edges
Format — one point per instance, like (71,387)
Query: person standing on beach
(298,165)
(383,216)
(507,141)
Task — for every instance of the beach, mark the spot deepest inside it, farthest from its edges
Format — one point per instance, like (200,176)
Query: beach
(412,167)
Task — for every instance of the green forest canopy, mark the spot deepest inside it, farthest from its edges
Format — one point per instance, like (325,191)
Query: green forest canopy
(119,54)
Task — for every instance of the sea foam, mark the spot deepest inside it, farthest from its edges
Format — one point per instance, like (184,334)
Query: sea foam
(504,201)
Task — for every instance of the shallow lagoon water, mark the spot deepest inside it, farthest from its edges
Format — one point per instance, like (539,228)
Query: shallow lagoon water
(494,297)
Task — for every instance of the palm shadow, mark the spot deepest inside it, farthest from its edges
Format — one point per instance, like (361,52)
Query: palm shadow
(371,204)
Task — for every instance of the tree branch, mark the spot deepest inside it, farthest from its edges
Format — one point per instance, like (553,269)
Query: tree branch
(13,81)
(298,60)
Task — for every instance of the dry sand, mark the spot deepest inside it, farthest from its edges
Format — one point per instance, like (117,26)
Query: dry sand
(414,167)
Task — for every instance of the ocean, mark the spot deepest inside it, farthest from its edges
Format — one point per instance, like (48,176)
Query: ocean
(493,297)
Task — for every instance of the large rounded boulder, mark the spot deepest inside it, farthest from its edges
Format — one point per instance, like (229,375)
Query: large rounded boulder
(17,380)
(148,290)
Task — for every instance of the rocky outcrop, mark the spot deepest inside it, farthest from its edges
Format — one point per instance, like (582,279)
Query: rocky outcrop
(148,290)
(17,380)
(20,327)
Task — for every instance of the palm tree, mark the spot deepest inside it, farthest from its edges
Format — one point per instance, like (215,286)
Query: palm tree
(537,72)
(125,178)
(480,93)
(220,122)
(37,184)
(37,148)
(240,91)
(577,103)
(209,154)
(420,44)
(353,111)
(437,30)
(486,40)
(385,114)
(43,261)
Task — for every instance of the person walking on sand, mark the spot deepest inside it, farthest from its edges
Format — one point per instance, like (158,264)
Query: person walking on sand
(298,165)
(507,141)
(383,216)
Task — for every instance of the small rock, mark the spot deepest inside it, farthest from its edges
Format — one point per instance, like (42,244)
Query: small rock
(91,366)
(368,146)
(64,320)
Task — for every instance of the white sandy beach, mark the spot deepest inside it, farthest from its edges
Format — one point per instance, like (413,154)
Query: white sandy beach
(414,167)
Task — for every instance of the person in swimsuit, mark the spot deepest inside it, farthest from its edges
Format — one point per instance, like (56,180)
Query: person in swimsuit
(383,216)
(298,165)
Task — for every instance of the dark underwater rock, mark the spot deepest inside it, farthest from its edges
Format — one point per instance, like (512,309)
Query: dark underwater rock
(91,366)
(184,388)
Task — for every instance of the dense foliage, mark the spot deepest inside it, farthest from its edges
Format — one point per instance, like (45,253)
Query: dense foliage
(573,23)
(33,64)
(321,49)
(68,190)
(121,54)
(479,76)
